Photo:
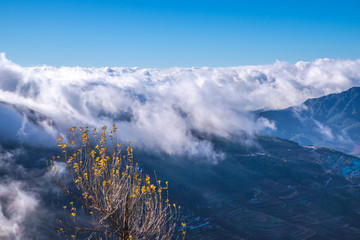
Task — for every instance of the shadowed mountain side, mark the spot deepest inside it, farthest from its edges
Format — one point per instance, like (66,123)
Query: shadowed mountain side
(277,190)
(20,124)
(332,121)
(272,189)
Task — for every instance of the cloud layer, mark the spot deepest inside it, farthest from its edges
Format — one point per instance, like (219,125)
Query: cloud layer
(158,109)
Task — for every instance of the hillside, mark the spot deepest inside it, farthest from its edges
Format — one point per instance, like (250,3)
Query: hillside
(277,190)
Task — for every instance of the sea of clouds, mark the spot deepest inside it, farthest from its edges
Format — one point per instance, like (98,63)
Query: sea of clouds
(157,109)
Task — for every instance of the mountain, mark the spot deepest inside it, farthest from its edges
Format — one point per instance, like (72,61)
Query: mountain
(271,189)
(259,187)
(274,190)
(20,124)
(332,121)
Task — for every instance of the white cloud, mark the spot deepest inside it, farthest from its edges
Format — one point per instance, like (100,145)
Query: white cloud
(324,130)
(23,195)
(159,108)
(16,208)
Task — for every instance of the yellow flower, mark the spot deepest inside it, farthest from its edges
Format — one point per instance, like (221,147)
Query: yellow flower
(73,214)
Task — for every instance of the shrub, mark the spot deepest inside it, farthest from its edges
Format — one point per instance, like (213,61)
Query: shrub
(118,202)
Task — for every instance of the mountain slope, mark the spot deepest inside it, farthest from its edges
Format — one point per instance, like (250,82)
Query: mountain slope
(20,124)
(277,190)
(271,189)
(332,121)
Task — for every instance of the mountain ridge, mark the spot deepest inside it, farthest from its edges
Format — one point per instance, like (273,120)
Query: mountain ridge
(331,121)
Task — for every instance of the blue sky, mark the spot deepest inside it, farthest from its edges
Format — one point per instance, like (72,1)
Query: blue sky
(177,33)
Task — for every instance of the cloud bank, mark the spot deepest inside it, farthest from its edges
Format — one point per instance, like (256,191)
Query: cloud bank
(159,109)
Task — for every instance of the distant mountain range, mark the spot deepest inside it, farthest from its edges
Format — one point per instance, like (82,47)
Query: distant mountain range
(332,121)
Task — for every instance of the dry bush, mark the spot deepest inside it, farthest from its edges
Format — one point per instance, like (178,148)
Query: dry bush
(116,201)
